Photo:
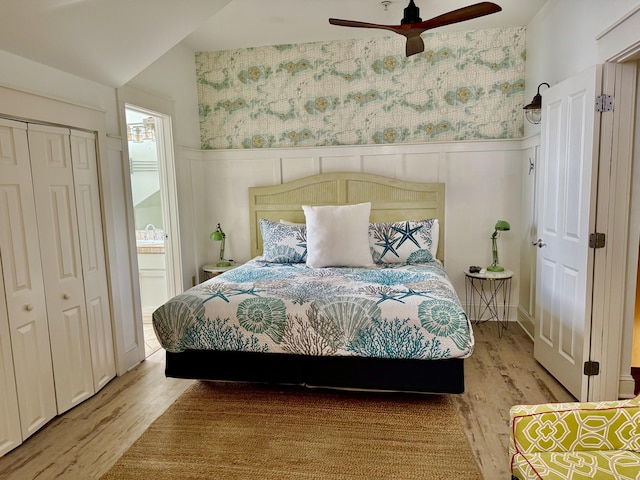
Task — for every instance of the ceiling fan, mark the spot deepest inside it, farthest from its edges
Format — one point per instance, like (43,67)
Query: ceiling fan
(412,25)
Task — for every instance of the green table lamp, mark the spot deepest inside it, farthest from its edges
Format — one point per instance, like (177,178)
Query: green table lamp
(219,236)
(501,226)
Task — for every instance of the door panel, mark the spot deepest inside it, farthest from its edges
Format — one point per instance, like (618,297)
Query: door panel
(74,330)
(85,175)
(10,435)
(570,328)
(23,283)
(567,189)
(548,283)
(61,262)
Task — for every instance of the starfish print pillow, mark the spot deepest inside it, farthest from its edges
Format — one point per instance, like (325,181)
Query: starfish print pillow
(409,241)
(283,243)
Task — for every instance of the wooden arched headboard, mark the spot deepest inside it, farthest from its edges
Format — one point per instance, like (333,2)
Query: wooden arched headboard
(391,200)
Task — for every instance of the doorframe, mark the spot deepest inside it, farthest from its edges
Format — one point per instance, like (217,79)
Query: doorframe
(619,44)
(625,200)
(168,196)
(613,218)
(163,107)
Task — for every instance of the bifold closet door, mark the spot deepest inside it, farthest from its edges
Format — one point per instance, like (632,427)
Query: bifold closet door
(23,283)
(10,434)
(56,214)
(85,176)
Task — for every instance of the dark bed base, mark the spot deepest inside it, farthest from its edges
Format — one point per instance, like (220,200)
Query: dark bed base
(427,376)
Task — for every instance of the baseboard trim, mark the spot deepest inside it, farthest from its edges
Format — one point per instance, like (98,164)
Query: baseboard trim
(526,322)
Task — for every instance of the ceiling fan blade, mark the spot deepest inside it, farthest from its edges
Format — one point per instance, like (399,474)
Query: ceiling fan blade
(414,45)
(460,15)
(353,23)
(408,30)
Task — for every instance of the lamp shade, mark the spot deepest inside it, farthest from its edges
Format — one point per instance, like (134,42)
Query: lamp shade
(216,236)
(533,115)
(502,225)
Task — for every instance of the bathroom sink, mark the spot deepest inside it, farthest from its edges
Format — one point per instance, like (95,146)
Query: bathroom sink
(149,243)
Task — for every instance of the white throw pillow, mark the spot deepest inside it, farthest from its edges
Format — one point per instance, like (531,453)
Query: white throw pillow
(338,235)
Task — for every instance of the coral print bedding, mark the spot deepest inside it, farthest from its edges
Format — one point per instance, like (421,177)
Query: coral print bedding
(397,310)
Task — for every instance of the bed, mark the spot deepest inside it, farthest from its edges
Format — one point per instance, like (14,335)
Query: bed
(395,323)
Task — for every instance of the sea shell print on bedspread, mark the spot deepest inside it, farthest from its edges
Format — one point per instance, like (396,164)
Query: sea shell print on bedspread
(389,311)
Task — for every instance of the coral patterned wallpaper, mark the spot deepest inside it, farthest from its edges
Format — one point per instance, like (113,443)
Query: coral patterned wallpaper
(464,86)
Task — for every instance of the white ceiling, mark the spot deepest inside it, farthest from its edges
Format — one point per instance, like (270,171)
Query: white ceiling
(111,41)
(108,41)
(251,23)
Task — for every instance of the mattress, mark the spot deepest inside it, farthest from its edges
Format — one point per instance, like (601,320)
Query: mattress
(384,311)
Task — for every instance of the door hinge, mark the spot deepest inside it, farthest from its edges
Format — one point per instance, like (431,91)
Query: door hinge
(604,103)
(597,240)
(591,368)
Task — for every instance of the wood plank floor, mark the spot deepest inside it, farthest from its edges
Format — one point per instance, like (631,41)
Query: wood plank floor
(500,373)
(86,441)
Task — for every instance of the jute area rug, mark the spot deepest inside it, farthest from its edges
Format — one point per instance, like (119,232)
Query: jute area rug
(246,431)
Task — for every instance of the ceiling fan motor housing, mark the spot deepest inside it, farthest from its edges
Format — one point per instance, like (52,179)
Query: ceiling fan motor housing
(411,14)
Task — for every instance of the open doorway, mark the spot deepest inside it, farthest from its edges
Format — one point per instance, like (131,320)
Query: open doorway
(151,168)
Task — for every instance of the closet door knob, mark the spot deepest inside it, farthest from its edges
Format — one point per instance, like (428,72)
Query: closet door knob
(28,307)
(66,296)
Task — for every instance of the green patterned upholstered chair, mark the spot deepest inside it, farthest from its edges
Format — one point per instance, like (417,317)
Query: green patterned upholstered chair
(576,441)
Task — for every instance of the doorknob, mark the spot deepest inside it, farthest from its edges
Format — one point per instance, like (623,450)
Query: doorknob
(28,307)
(66,296)
(539,243)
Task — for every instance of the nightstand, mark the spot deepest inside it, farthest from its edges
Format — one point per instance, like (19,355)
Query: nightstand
(210,271)
(489,297)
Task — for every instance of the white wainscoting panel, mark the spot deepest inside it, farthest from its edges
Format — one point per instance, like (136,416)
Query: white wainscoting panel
(482,185)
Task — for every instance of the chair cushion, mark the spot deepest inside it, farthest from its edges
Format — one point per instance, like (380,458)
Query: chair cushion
(578,465)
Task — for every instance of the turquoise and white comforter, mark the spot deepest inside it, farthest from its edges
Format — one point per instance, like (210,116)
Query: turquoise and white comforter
(399,311)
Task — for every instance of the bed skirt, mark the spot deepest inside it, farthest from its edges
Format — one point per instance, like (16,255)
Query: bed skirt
(410,375)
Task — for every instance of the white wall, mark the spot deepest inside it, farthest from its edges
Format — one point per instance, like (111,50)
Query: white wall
(562,40)
(483,180)
(33,77)
(212,190)
(173,77)
(482,185)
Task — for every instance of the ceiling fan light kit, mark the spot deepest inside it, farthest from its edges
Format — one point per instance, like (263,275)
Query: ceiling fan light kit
(411,26)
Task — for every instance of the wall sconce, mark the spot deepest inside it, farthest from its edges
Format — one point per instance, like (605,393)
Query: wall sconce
(219,236)
(533,111)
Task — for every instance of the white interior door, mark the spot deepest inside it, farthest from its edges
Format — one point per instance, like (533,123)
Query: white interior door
(23,284)
(10,435)
(85,178)
(61,263)
(566,217)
